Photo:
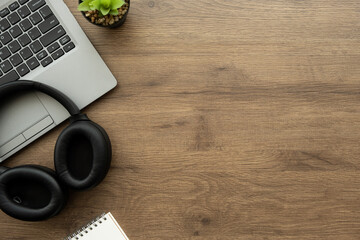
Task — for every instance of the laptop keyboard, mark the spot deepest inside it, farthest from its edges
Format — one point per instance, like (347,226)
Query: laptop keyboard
(30,36)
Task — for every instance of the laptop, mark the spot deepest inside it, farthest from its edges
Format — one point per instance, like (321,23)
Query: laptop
(40,40)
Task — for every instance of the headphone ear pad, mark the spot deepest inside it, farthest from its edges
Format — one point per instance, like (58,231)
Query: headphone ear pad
(31,193)
(82,155)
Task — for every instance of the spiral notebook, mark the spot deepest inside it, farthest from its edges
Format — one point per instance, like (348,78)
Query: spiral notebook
(103,227)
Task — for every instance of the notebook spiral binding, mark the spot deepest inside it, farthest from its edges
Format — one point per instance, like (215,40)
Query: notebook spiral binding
(85,229)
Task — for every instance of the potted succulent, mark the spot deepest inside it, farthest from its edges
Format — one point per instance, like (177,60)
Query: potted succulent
(105,13)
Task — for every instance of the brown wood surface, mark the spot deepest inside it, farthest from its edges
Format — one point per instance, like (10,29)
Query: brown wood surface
(233,119)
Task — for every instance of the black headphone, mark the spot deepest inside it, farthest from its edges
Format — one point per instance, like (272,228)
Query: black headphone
(82,159)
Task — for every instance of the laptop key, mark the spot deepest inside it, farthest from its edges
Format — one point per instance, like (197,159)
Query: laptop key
(41,55)
(25,53)
(45,12)
(32,63)
(36,4)
(23,1)
(4,24)
(36,46)
(13,6)
(13,18)
(15,60)
(35,18)
(15,31)
(4,53)
(53,47)
(4,12)
(65,40)
(5,66)
(57,54)
(22,69)
(68,47)
(11,76)
(14,46)
(34,33)
(46,61)
(24,11)
(24,40)
(52,36)
(48,24)
(25,25)
(5,38)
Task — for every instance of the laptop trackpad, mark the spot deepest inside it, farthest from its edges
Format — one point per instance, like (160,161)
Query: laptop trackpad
(21,114)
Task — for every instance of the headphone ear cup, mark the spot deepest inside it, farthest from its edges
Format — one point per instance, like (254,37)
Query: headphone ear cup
(31,193)
(82,155)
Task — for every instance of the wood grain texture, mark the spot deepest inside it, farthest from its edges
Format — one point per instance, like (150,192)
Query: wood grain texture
(233,119)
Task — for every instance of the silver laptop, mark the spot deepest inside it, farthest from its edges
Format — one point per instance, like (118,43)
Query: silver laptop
(40,40)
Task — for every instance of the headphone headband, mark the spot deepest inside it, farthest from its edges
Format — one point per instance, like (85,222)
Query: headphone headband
(26,85)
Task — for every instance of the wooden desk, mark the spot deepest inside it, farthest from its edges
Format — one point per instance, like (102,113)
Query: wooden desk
(233,119)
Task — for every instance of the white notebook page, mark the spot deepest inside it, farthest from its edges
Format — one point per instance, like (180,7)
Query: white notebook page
(105,228)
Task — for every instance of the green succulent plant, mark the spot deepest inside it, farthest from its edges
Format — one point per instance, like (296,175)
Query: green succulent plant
(105,7)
